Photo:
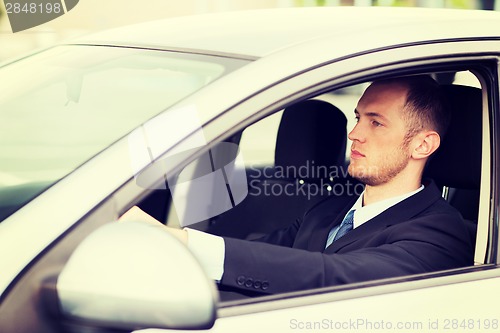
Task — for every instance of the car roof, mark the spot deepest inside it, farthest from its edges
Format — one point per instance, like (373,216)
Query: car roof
(257,33)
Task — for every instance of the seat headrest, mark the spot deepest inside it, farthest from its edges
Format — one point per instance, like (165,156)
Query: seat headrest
(311,133)
(457,162)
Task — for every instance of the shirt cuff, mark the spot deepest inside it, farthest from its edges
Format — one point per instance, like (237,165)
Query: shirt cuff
(209,250)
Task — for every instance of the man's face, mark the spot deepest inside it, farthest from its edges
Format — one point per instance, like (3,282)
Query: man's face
(379,151)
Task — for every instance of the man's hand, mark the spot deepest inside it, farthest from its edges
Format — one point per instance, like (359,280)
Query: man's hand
(137,215)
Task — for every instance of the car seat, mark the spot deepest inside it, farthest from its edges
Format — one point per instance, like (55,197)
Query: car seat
(456,165)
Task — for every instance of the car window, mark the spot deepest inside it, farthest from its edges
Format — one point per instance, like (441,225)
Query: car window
(261,182)
(266,180)
(258,141)
(61,107)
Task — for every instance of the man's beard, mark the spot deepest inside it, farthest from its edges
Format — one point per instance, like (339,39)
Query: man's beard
(390,167)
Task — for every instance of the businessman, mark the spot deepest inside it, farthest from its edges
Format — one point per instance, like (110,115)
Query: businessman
(399,225)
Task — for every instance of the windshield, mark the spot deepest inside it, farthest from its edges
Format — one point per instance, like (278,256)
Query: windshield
(62,106)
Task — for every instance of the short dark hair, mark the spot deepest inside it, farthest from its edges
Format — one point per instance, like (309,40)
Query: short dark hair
(425,107)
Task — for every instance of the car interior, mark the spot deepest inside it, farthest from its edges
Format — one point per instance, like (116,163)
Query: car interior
(311,131)
(312,134)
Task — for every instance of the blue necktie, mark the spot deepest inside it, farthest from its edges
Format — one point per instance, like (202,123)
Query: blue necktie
(344,228)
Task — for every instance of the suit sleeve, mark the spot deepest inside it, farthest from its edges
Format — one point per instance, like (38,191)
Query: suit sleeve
(282,237)
(414,247)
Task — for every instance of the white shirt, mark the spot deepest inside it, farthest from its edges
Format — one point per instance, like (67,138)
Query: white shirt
(210,249)
(363,214)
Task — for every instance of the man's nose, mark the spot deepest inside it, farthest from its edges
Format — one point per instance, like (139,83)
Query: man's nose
(356,134)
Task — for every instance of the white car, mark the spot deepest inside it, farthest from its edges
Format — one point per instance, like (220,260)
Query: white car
(181,118)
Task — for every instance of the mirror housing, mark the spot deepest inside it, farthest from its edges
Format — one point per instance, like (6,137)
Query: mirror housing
(132,275)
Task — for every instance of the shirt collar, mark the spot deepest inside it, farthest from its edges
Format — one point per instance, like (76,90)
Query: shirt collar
(363,214)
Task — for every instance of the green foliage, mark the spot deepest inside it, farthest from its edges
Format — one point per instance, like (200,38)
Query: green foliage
(2,10)
(301,3)
(395,3)
(461,4)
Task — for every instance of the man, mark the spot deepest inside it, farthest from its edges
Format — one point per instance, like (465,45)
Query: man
(398,226)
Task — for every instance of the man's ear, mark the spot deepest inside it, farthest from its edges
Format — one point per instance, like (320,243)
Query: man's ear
(425,143)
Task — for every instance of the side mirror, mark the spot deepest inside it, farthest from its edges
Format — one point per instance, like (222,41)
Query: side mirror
(131,275)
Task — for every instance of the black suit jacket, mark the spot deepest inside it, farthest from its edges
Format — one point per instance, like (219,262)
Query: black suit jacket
(420,234)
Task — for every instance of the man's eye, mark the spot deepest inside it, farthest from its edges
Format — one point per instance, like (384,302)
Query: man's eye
(376,123)
(357,119)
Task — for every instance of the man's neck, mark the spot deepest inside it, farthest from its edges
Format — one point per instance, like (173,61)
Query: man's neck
(388,190)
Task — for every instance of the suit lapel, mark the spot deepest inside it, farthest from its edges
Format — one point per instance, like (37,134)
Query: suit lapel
(333,217)
(401,212)
(317,241)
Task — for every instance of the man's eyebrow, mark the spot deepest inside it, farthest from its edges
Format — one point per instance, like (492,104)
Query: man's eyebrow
(371,114)
(375,114)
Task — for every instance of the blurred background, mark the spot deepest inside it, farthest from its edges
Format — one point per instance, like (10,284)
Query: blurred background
(93,15)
